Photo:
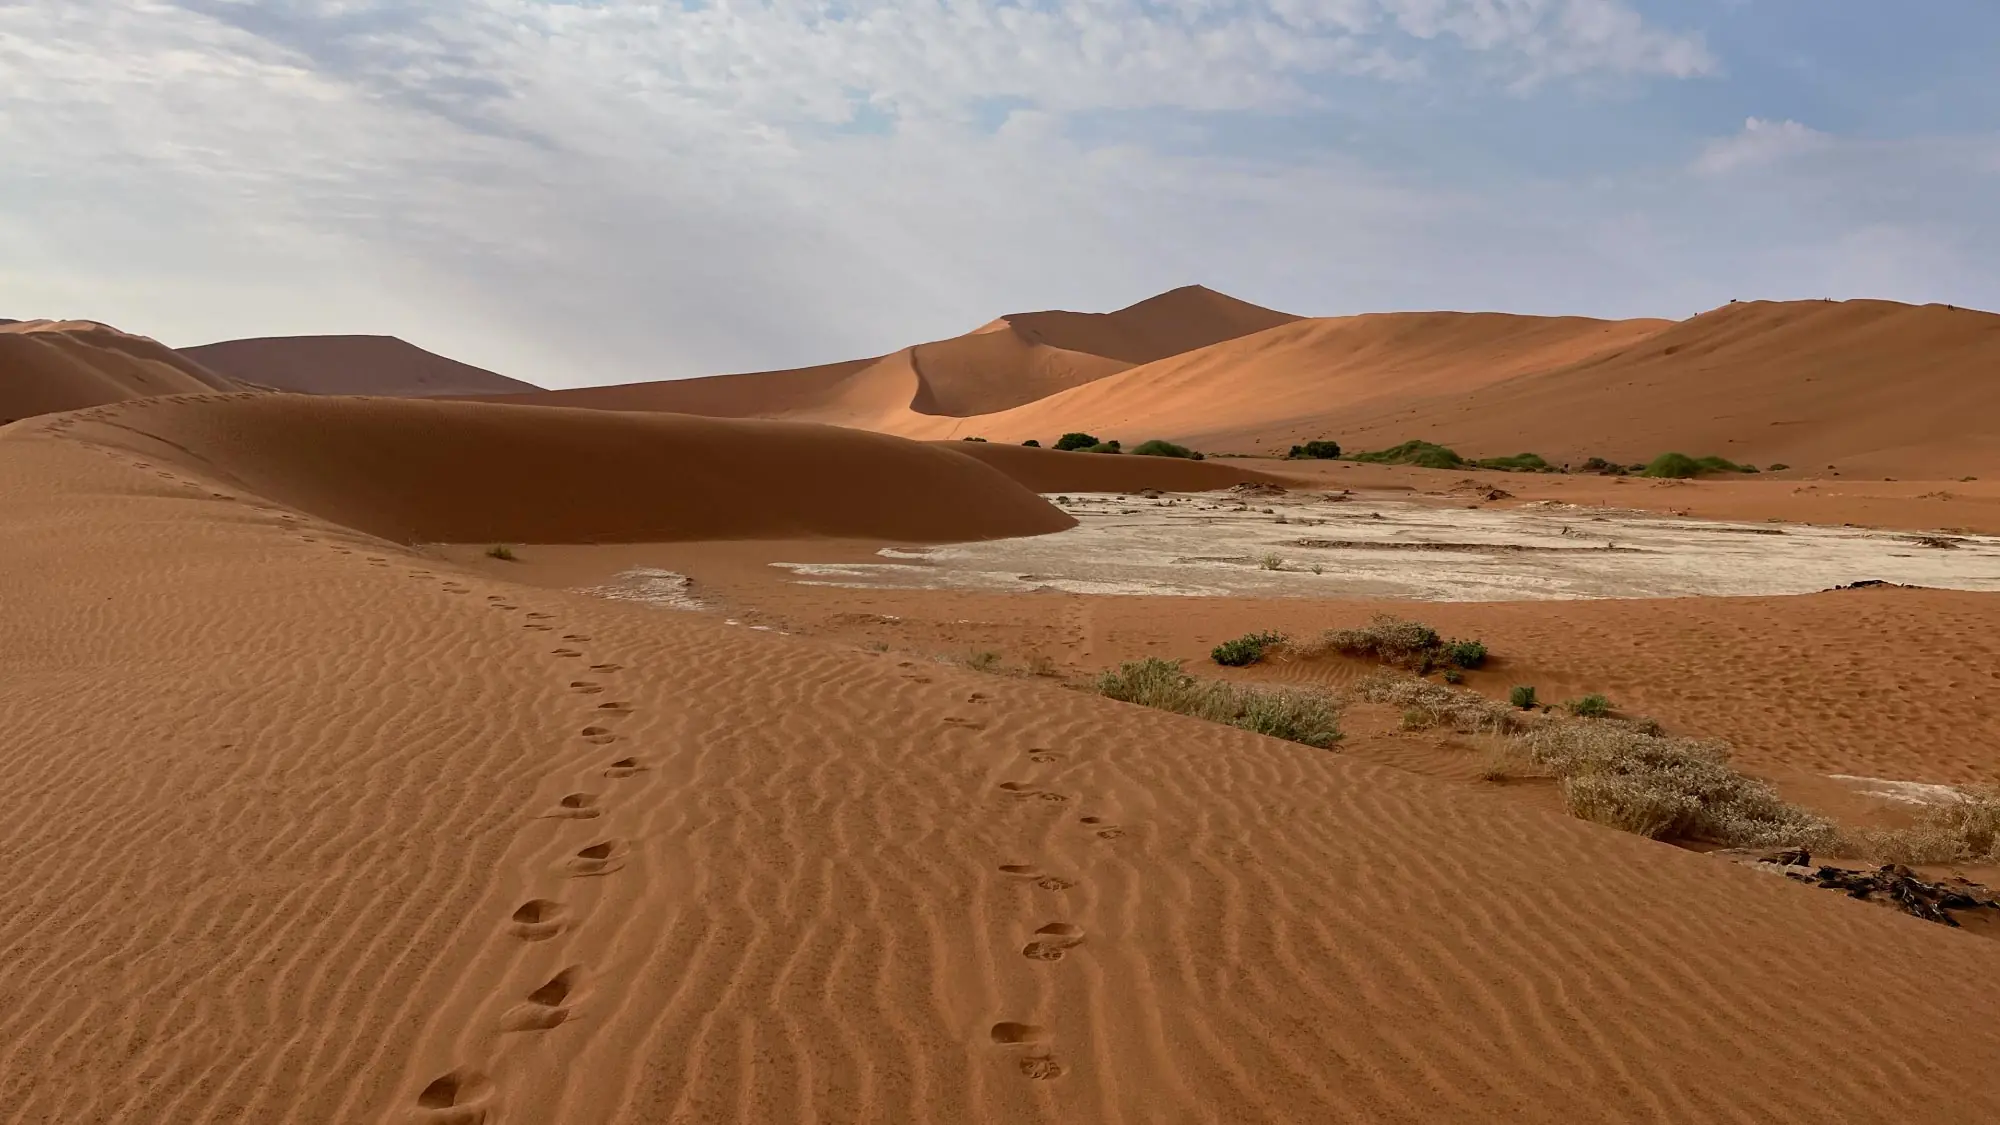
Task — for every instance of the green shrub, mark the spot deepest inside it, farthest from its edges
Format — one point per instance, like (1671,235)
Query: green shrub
(1406,644)
(1304,716)
(1422,454)
(1075,441)
(502,552)
(1681,466)
(1600,465)
(1522,696)
(1453,676)
(1778,467)
(1271,561)
(1317,449)
(1158,448)
(1518,463)
(1464,654)
(972,439)
(1592,706)
(1104,447)
(1244,650)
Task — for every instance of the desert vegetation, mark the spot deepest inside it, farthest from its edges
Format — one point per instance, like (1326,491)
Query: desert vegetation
(1404,644)
(1682,466)
(1245,650)
(1076,440)
(1318,449)
(502,552)
(1298,715)
(1158,448)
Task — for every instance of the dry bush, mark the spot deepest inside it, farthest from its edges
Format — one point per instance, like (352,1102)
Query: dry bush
(1297,715)
(1388,639)
(1427,705)
(1964,831)
(1668,788)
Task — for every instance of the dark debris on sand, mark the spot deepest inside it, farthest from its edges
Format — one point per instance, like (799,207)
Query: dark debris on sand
(1891,884)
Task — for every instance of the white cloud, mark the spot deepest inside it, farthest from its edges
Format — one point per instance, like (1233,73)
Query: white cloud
(1760,143)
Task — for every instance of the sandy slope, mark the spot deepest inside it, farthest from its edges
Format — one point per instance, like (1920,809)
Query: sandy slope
(47,366)
(1016,359)
(472,472)
(299,824)
(349,365)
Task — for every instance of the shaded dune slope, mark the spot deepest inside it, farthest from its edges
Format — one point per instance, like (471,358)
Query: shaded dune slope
(349,365)
(289,843)
(418,471)
(1016,359)
(51,366)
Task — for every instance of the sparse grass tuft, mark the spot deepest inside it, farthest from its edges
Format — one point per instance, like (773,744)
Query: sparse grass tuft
(1244,650)
(502,552)
(985,660)
(1427,705)
(1271,561)
(1453,676)
(1964,831)
(1405,644)
(1522,696)
(1308,717)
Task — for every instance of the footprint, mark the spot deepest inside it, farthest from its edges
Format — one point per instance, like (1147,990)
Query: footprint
(1020,788)
(1104,830)
(502,605)
(968,724)
(1052,798)
(538,919)
(457,1097)
(496,597)
(540,628)
(1029,871)
(598,859)
(618,705)
(1053,941)
(598,736)
(606,667)
(1042,757)
(624,767)
(546,1006)
(1037,1063)
(541,616)
(577,806)
(575,637)
(564,652)
(585,687)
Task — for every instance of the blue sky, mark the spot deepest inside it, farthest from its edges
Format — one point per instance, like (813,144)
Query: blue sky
(608,190)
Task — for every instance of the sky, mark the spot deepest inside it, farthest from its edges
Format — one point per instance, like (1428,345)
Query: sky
(593,191)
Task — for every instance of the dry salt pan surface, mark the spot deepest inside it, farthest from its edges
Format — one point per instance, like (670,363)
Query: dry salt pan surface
(1219,544)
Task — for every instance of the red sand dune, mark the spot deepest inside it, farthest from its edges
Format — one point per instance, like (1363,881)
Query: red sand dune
(48,366)
(349,365)
(1869,386)
(459,472)
(1016,359)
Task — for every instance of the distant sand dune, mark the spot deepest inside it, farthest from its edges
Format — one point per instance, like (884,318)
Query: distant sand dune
(349,365)
(1868,386)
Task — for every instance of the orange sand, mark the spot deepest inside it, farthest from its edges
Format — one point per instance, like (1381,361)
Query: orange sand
(47,366)
(307,826)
